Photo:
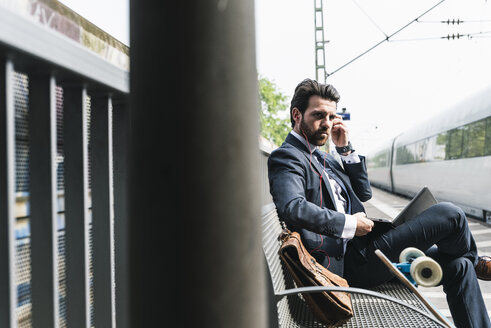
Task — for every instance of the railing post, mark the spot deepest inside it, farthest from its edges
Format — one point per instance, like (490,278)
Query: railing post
(194,194)
(8,290)
(121,126)
(102,210)
(76,207)
(43,187)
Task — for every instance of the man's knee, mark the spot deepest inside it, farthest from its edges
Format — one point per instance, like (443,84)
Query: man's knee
(451,212)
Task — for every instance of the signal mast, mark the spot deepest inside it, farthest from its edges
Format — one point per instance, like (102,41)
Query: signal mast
(320,43)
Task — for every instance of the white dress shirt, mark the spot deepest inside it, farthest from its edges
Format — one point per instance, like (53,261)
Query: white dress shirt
(350,221)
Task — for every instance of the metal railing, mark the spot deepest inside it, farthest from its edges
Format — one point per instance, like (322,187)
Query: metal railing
(65,235)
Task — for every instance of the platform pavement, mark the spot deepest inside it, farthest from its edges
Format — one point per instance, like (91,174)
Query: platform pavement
(385,204)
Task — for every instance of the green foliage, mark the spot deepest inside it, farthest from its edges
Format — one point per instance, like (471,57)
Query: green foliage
(274,115)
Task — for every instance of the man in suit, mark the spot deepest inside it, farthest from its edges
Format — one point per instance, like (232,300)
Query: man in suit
(322,200)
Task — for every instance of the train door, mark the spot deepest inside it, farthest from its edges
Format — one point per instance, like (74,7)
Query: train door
(391,163)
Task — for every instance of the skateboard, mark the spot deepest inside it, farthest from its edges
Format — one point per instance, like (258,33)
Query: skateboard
(419,268)
(416,269)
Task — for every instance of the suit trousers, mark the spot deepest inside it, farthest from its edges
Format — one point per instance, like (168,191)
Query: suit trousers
(442,233)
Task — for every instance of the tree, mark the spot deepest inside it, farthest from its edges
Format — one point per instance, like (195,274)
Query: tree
(274,115)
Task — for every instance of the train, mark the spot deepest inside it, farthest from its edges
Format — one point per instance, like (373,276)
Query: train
(449,153)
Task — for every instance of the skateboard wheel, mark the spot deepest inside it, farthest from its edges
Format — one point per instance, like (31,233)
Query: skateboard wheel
(410,253)
(426,271)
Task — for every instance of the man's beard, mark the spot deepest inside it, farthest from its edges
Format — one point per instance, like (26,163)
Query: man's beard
(314,137)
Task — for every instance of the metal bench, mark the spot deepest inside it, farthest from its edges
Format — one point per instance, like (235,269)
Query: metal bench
(389,305)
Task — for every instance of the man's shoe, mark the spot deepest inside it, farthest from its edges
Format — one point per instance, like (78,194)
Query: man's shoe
(483,268)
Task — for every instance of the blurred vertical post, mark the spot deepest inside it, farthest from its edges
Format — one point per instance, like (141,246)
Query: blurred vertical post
(43,196)
(8,292)
(194,191)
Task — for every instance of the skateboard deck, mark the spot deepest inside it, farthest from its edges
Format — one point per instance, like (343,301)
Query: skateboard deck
(402,278)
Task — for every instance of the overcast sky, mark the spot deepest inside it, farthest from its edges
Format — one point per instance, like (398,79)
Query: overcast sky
(393,87)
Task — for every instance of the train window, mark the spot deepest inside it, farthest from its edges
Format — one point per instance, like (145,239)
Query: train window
(401,155)
(454,144)
(413,151)
(487,145)
(420,150)
(430,149)
(406,154)
(379,160)
(473,141)
(435,147)
(382,159)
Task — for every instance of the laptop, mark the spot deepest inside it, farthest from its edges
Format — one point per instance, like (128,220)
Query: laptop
(423,200)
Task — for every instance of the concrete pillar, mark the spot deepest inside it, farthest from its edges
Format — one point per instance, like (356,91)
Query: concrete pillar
(195,242)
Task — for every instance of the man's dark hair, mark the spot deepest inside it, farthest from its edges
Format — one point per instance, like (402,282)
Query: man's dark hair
(308,88)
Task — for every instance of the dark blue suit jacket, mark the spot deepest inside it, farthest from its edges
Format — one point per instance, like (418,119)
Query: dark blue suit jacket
(296,194)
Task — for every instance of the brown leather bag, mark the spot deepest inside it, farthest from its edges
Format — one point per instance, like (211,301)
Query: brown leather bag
(330,308)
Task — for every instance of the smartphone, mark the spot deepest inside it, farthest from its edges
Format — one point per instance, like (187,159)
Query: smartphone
(382,220)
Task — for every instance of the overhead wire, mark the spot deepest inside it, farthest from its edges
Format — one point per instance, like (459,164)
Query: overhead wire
(387,38)
(456,21)
(482,34)
(370,18)
(478,34)
(418,39)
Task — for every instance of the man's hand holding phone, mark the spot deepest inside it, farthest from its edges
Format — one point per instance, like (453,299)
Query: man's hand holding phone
(363,225)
